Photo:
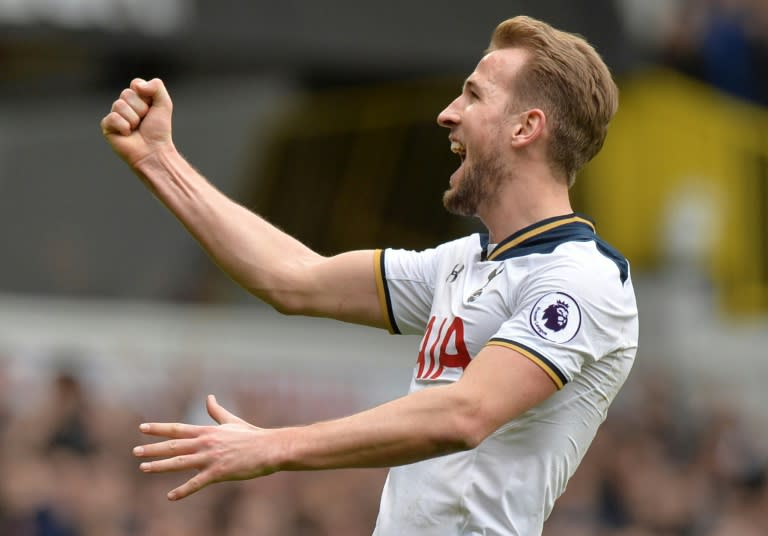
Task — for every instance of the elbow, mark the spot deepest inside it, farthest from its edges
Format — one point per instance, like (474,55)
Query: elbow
(469,425)
(469,436)
(286,307)
(282,294)
(292,304)
(289,290)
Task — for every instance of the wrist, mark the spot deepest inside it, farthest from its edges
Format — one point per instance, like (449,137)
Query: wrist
(171,178)
(163,156)
(284,452)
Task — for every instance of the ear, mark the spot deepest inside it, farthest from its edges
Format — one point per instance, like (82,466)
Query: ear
(528,127)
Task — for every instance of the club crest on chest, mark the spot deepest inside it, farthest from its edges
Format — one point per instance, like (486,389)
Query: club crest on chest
(476,294)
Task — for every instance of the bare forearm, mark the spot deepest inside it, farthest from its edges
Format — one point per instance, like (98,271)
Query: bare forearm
(497,386)
(239,241)
(426,424)
(431,422)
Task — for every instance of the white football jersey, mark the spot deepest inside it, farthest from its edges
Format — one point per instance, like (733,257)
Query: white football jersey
(559,295)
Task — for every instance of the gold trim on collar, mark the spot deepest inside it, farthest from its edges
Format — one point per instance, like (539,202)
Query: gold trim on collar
(537,231)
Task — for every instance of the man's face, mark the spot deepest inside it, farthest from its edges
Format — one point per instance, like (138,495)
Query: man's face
(480,123)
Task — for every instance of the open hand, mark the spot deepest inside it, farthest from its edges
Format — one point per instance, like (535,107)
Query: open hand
(233,450)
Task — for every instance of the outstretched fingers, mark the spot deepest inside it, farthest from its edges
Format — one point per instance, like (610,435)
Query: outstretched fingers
(175,430)
(194,484)
(172,447)
(182,452)
(214,452)
(220,414)
(175,464)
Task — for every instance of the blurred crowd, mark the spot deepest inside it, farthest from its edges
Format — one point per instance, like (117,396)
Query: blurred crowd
(721,42)
(724,43)
(65,456)
(659,466)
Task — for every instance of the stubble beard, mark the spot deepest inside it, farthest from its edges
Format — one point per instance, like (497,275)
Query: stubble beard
(480,182)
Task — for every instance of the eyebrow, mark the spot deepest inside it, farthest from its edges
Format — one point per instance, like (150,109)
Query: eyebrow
(471,84)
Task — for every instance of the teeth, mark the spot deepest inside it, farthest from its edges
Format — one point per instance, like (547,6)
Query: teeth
(458,148)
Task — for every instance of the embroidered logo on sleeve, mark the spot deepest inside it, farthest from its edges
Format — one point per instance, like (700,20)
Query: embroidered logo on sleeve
(556,317)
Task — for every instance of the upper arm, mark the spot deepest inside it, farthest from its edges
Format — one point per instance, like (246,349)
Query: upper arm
(343,287)
(390,289)
(499,385)
(386,289)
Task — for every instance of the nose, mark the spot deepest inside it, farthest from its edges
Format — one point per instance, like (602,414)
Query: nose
(449,117)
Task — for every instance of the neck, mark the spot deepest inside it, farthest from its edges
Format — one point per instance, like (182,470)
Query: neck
(521,203)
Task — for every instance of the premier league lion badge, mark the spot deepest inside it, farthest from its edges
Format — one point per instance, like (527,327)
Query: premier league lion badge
(556,317)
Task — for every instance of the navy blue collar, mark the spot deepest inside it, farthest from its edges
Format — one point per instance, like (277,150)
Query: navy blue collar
(546,235)
(540,236)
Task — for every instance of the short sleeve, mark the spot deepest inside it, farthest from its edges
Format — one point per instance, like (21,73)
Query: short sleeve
(406,283)
(566,317)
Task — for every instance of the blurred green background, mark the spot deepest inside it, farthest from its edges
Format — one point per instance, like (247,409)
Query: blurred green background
(321,116)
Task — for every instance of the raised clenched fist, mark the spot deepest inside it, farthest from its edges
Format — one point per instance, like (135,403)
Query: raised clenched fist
(139,122)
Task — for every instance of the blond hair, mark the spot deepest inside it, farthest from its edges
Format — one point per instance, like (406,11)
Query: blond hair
(568,80)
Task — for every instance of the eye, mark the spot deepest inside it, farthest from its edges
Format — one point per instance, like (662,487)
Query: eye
(470,89)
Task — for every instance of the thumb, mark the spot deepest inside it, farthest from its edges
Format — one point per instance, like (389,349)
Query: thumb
(153,92)
(219,414)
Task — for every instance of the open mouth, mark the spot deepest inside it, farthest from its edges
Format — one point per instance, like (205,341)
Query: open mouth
(459,149)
